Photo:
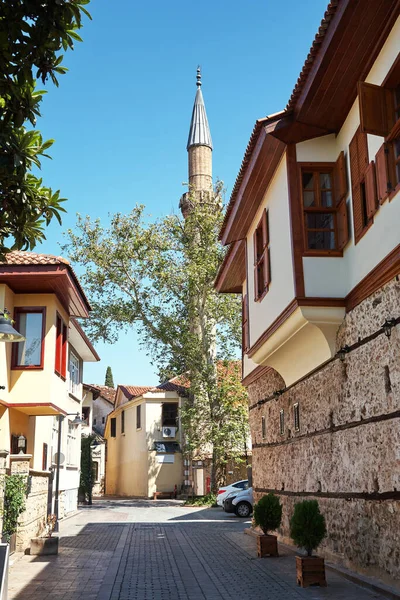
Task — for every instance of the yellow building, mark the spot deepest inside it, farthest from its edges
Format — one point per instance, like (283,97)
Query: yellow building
(41,378)
(144,436)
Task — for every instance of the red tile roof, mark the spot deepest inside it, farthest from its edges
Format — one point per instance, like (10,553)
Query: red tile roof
(319,37)
(133,391)
(20,257)
(108,393)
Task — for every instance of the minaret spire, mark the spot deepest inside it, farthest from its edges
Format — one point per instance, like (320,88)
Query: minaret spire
(199,147)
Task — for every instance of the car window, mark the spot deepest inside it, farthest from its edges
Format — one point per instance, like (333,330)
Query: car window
(242,485)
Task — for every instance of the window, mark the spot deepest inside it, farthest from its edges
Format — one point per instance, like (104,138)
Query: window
(86,414)
(103,420)
(323,197)
(241,485)
(296,415)
(169,414)
(363,184)
(123,421)
(44,458)
(94,421)
(263,428)
(380,115)
(71,444)
(61,347)
(138,416)
(95,471)
(30,353)
(73,374)
(167,447)
(282,421)
(245,325)
(262,271)
(54,440)
(113,426)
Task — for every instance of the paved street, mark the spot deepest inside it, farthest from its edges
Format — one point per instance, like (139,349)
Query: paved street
(146,550)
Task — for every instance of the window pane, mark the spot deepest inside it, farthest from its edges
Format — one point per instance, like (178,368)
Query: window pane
(325,182)
(320,221)
(308,199)
(29,352)
(321,240)
(308,181)
(326,198)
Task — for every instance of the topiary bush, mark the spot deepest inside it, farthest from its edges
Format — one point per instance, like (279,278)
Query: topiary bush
(268,513)
(307,525)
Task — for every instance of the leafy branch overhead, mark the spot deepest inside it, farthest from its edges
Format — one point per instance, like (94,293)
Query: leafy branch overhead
(33,36)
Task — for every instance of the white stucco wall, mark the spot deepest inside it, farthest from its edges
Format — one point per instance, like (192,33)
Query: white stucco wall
(337,276)
(281,289)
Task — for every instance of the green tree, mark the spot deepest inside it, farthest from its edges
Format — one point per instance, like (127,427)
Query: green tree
(160,277)
(109,380)
(33,34)
(307,525)
(86,477)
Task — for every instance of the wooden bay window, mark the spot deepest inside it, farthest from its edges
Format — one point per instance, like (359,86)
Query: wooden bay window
(29,354)
(262,268)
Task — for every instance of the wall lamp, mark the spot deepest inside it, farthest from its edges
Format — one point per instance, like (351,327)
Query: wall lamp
(388,326)
(343,351)
(7,331)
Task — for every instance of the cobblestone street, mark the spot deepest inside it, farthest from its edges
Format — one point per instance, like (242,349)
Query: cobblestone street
(145,550)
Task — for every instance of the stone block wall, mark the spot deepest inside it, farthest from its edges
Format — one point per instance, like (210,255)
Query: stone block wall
(346,452)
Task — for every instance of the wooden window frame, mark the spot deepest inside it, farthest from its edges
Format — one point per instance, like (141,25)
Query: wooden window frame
(113,427)
(139,416)
(122,421)
(262,263)
(19,310)
(60,367)
(245,325)
(318,168)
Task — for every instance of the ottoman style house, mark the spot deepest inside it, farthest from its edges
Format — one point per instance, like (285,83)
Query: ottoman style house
(313,229)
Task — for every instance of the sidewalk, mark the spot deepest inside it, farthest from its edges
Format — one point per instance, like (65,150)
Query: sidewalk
(146,550)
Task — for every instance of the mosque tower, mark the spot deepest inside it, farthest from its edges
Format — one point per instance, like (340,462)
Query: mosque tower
(199,147)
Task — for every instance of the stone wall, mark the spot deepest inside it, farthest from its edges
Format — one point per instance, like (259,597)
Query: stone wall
(32,521)
(346,452)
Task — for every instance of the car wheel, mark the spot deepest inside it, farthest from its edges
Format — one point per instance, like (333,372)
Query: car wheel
(243,509)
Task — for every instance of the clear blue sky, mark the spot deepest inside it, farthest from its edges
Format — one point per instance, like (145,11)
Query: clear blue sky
(121,115)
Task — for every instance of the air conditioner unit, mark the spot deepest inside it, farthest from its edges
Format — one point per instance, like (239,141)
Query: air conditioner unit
(169,432)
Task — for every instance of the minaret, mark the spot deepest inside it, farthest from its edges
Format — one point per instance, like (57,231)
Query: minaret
(199,147)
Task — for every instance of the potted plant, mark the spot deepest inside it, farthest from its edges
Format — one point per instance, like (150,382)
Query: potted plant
(268,516)
(308,529)
(46,544)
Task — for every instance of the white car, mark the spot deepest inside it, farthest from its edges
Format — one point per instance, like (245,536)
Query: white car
(243,503)
(227,489)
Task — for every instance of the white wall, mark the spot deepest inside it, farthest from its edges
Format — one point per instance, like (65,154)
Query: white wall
(336,276)
(281,290)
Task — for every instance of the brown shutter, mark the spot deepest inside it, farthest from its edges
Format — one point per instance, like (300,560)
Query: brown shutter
(340,178)
(342,224)
(382,174)
(362,145)
(358,149)
(376,109)
(370,190)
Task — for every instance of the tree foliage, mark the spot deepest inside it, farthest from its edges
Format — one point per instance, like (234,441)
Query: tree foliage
(86,476)
(159,276)
(109,380)
(268,513)
(33,36)
(307,525)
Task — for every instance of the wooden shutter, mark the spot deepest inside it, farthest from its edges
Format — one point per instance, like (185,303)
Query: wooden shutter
(64,350)
(245,325)
(370,190)
(342,224)
(358,150)
(382,173)
(267,262)
(376,109)
(57,365)
(340,179)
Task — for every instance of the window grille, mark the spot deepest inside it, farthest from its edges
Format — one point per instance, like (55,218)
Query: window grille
(263,428)
(282,421)
(296,414)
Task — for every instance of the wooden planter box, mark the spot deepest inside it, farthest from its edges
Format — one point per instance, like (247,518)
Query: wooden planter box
(44,545)
(267,545)
(310,571)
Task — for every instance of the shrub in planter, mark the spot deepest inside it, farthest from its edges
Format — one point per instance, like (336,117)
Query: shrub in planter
(268,516)
(308,529)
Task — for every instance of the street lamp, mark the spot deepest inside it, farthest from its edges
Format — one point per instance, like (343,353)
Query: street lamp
(77,421)
(7,331)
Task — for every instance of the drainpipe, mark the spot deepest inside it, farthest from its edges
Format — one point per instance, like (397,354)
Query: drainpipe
(56,510)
